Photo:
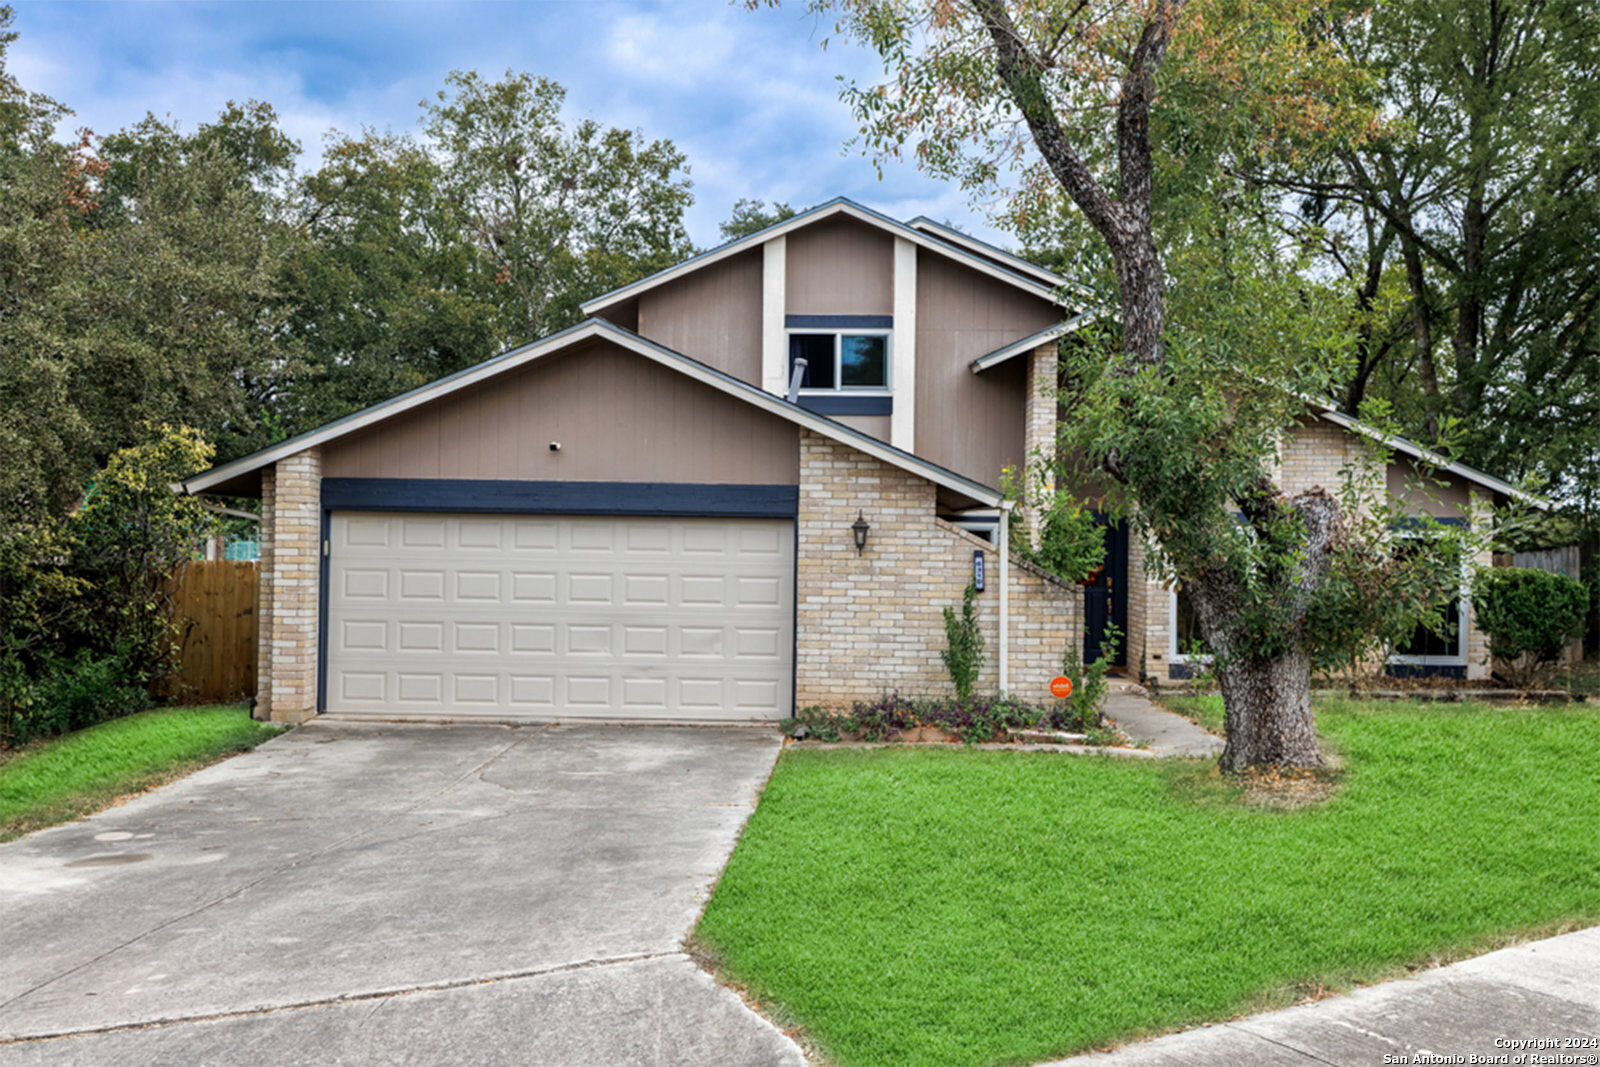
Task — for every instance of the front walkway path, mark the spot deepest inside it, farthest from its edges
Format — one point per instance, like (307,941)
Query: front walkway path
(1130,707)
(1529,1002)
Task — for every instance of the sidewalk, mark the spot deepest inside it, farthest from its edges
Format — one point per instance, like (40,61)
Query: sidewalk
(1526,1002)
(1129,706)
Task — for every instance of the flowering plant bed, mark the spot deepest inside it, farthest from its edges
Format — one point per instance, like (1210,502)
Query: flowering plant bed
(944,719)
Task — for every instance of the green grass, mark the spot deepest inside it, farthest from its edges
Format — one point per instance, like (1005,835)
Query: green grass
(939,906)
(1205,709)
(68,777)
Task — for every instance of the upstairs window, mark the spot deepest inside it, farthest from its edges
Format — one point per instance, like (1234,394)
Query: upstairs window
(841,361)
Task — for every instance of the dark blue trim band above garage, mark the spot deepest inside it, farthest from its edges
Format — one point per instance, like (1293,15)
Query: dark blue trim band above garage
(561,498)
(839,322)
(845,404)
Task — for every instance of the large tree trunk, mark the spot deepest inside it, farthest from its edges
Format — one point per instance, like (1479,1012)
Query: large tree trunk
(1269,713)
(1268,698)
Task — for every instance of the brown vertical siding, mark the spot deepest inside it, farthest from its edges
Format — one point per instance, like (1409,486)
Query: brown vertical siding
(618,416)
(839,267)
(971,423)
(871,425)
(712,314)
(1442,495)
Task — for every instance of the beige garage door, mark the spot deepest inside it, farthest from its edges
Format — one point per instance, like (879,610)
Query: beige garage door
(560,617)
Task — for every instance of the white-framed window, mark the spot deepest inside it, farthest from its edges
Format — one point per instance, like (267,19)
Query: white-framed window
(1444,645)
(1183,630)
(843,361)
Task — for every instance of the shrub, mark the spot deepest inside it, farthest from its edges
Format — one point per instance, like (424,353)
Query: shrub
(1081,712)
(131,535)
(963,654)
(1072,544)
(69,694)
(1528,615)
(984,718)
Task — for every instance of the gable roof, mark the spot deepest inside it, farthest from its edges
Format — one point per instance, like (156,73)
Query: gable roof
(1032,341)
(592,329)
(1046,288)
(1432,459)
(1009,260)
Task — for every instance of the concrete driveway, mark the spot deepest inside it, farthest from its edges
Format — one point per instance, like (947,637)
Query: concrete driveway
(354,893)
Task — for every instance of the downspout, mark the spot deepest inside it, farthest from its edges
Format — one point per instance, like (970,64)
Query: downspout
(1004,533)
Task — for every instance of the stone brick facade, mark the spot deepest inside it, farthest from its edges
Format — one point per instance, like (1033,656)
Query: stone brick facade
(873,622)
(291,554)
(1039,431)
(1319,453)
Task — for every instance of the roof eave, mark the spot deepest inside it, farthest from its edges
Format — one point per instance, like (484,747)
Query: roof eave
(837,206)
(1416,451)
(1029,343)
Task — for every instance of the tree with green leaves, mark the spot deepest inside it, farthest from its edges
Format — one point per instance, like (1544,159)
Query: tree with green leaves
(1135,118)
(1466,225)
(557,215)
(385,292)
(423,256)
(752,216)
(139,280)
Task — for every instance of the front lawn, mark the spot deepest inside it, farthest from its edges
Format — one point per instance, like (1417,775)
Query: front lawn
(915,906)
(66,778)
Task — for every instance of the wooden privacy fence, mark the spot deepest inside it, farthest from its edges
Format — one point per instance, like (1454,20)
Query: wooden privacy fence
(215,608)
(1555,560)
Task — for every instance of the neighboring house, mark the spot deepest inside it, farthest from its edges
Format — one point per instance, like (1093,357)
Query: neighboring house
(1163,635)
(630,520)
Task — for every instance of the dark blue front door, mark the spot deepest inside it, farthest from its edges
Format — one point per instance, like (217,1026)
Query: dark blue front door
(1105,599)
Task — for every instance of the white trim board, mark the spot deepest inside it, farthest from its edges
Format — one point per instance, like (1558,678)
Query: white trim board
(951,235)
(1032,341)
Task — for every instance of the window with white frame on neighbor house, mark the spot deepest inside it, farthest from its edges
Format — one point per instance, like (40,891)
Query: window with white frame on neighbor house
(1186,646)
(841,360)
(1443,644)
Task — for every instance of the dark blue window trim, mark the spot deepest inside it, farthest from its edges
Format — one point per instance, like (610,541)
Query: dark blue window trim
(1425,670)
(1422,524)
(561,498)
(839,322)
(844,404)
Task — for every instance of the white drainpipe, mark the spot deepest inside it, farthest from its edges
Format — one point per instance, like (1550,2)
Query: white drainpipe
(1004,533)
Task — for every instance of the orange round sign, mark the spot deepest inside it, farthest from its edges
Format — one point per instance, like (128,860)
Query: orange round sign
(1061,686)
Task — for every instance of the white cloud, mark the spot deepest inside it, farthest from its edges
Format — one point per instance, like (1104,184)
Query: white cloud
(750,97)
(647,49)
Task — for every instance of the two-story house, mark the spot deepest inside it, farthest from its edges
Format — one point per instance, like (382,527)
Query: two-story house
(747,483)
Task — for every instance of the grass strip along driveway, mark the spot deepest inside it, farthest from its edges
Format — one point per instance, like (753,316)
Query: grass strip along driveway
(908,906)
(72,776)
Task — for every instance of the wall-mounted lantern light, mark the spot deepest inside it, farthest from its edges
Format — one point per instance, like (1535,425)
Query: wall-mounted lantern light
(860,528)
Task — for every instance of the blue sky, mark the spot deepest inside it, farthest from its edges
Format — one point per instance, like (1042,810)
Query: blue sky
(750,96)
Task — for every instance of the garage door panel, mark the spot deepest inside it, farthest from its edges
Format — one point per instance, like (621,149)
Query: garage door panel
(426,689)
(477,586)
(364,687)
(476,638)
(533,692)
(561,616)
(422,533)
(421,585)
(535,587)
